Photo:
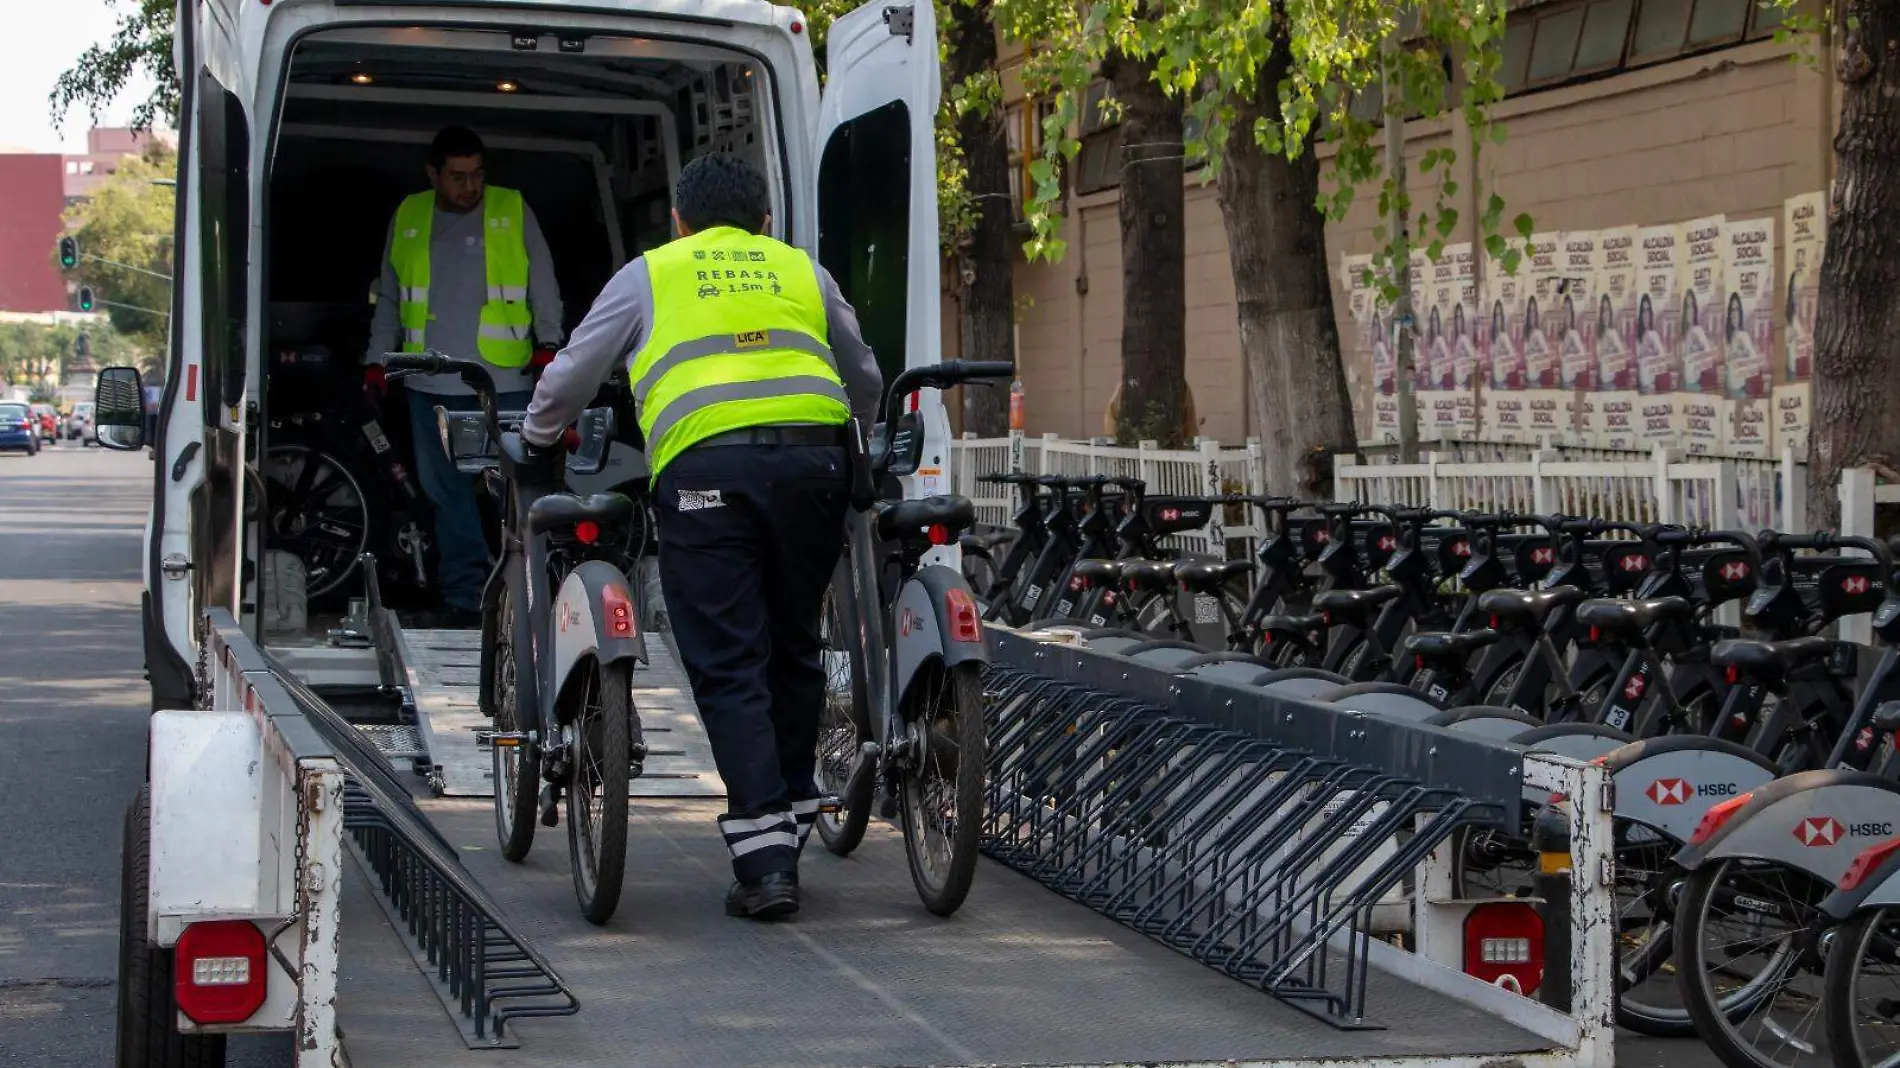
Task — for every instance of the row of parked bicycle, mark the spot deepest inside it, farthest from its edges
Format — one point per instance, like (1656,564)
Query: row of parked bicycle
(1756,768)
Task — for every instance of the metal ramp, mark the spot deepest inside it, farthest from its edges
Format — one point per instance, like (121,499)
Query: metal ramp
(442,670)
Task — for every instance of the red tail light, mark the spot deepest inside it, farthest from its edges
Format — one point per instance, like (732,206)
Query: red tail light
(1494,621)
(619,609)
(1504,945)
(218,971)
(1732,673)
(939,534)
(1714,818)
(966,623)
(1865,863)
(587,531)
(1595,634)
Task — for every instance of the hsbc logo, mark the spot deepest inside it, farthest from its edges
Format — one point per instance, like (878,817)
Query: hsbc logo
(1323,537)
(1854,584)
(1735,569)
(1635,563)
(1636,686)
(1669,791)
(909,623)
(1388,543)
(1871,830)
(1078,582)
(1543,556)
(1461,548)
(1819,831)
(1865,739)
(1169,515)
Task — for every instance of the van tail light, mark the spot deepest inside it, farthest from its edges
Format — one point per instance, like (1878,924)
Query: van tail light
(1715,817)
(966,623)
(619,610)
(218,971)
(1504,945)
(1868,860)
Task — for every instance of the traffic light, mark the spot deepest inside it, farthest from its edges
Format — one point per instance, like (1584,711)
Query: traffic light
(68,253)
(82,346)
(85,298)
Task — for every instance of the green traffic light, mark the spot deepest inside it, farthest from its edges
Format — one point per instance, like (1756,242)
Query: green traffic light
(68,253)
(85,298)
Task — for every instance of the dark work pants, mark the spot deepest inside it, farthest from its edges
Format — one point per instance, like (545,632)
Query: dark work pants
(749,537)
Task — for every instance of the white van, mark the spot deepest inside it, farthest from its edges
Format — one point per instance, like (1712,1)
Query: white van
(306,121)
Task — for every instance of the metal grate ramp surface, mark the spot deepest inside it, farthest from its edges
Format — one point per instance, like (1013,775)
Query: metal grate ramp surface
(444,671)
(862,977)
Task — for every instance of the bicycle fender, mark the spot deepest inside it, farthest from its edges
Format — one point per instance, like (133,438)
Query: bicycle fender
(582,627)
(1669,783)
(1815,822)
(1875,875)
(922,627)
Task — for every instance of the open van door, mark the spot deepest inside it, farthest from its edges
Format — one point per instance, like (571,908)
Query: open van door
(877,195)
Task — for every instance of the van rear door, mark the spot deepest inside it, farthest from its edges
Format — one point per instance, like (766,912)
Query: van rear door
(877,193)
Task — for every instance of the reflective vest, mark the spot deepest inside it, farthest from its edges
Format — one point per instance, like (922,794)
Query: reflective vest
(738,340)
(507,322)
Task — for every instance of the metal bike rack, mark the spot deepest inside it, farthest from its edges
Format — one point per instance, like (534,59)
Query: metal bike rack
(1251,832)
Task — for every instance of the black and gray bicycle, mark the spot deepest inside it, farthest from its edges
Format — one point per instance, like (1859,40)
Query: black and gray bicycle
(565,725)
(903,728)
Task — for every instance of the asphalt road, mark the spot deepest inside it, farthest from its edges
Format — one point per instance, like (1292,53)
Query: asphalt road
(72,731)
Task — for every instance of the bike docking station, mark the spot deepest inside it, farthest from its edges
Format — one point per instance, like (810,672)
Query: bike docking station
(1283,840)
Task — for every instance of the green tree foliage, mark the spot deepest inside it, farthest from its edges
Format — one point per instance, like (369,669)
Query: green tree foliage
(142,42)
(129,220)
(37,354)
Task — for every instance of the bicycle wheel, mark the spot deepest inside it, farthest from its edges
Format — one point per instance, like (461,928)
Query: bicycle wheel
(1747,952)
(316,509)
(598,741)
(1648,997)
(943,793)
(517,767)
(846,723)
(1863,990)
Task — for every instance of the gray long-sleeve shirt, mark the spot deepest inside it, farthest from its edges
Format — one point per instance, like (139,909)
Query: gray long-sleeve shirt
(458,287)
(618,325)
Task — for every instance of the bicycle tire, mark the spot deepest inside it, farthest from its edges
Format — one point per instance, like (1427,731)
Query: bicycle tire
(844,726)
(1844,968)
(960,694)
(1716,1023)
(516,790)
(597,842)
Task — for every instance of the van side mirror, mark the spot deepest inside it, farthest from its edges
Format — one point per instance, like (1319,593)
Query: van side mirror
(118,411)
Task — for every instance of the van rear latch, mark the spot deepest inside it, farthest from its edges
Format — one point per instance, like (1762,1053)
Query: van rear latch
(901,20)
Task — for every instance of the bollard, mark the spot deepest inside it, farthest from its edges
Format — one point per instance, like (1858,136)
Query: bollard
(1550,837)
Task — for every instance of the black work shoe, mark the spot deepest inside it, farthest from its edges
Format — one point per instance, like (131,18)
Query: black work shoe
(773,897)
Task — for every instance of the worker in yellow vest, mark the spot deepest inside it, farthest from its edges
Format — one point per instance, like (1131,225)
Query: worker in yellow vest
(747,365)
(466,272)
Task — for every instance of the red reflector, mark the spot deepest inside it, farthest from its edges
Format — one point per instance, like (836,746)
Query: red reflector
(1326,618)
(619,610)
(1732,673)
(1418,662)
(1714,818)
(587,531)
(1595,634)
(218,973)
(966,623)
(939,534)
(1865,863)
(1494,621)
(1504,945)
(797,26)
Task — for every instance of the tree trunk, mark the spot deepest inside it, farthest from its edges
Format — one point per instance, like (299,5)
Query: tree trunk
(1856,377)
(1154,261)
(985,259)
(1288,336)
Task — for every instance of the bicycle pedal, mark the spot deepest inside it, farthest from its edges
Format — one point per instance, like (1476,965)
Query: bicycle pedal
(831,805)
(550,806)
(503,739)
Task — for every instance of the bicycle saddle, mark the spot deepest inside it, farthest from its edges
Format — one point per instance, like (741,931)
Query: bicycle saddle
(1631,617)
(558,510)
(1439,644)
(1528,606)
(1099,574)
(1147,575)
(1210,577)
(1309,624)
(1770,661)
(900,518)
(1354,606)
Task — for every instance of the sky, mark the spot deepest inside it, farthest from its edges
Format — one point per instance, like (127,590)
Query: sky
(39,39)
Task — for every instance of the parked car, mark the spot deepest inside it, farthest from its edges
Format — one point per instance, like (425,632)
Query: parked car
(47,417)
(79,424)
(18,429)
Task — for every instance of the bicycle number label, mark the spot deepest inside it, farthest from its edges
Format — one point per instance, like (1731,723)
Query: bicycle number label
(1618,718)
(1031,596)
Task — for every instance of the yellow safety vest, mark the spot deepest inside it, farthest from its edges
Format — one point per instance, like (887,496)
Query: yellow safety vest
(507,322)
(738,341)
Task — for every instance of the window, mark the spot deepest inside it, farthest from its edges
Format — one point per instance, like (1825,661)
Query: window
(1023,126)
(864,225)
(1560,42)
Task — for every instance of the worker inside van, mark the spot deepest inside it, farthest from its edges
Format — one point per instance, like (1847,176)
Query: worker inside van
(466,271)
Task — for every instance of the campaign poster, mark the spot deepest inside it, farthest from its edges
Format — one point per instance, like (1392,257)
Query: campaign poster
(1363,305)
(1800,295)
(1502,316)
(1611,421)
(1658,321)
(1700,402)
(1577,325)
(1542,313)
(1748,336)
(1467,363)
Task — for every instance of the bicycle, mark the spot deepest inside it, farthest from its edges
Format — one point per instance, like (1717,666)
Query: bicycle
(559,642)
(913,729)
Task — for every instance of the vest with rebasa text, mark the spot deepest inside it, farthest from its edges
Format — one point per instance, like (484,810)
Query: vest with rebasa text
(738,340)
(507,323)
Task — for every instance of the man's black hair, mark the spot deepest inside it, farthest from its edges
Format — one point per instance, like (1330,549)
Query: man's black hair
(453,141)
(720,189)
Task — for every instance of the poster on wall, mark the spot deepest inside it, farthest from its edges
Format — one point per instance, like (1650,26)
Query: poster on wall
(1611,410)
(1431,354)
(1747,334)
(1799,292)
(1658,319)
(1701,407)
(1380,415)
(1502,319)
(1576,337)
(1543,336)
